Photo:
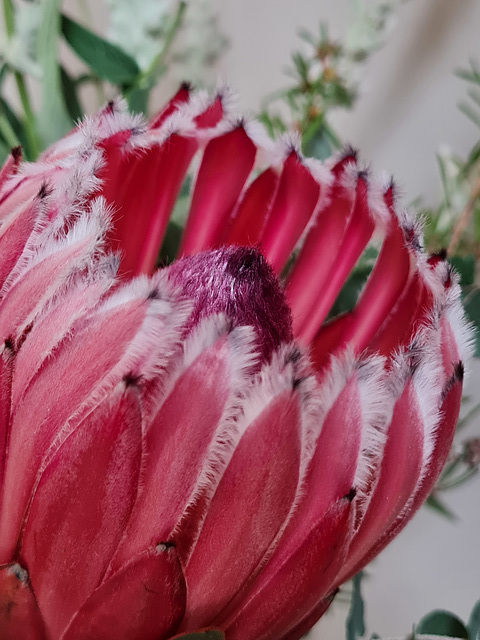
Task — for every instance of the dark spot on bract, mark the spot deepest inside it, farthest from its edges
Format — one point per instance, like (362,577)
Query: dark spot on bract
(351,494)
(131,379)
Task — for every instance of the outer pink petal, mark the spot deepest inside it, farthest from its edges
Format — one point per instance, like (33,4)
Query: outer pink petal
(15,232)
(449,411)
(54,396)
(249,507)
(10,166)
(398,476)
(143,601)
(19,614)
(177,443)
(295,580)
(6,374)
(80,508)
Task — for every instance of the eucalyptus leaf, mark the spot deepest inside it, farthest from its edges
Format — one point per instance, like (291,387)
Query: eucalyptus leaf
(442,623)
(107,60)
(474,622)
(53,118)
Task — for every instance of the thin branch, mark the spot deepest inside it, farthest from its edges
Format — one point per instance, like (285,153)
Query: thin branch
(464,217)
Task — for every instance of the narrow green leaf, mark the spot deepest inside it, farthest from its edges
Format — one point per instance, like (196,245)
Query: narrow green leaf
(53,118)
(15,127)
(471,304)
(444,180)
(474,622)
(472,160)
(107,60)
(442,623)
(355,623)
(301,66)
(437,505)
(467,110)
(317,145)
(4,151)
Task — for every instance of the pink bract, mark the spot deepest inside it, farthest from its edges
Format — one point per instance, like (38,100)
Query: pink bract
(201,446)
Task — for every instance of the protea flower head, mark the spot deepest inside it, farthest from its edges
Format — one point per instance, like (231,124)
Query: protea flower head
(197,447)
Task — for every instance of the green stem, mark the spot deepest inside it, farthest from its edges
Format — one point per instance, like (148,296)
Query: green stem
(8,14)
(155,69)
(30,130)
(466,475)
(8,133)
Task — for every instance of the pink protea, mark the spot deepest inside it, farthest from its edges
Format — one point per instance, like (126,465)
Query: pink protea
(200,448)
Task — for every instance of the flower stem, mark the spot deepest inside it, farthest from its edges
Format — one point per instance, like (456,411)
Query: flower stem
(8,15)
(156,67)
(464,217)
(30,129)
(8,133)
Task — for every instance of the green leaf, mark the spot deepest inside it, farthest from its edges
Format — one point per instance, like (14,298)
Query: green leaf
(355,624)
(17,128)
(442,623)
(105,59)
(471,114)
(137,99)
(471,304)
(317,145)
(206,634)
(301,66)
(53,118)
(474,622)
(72,102)
(437,505)
(465,267)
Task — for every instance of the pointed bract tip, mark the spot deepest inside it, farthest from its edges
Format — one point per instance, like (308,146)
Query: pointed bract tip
(131,380)
(364,174)
(438,256)
(238,282)
(110,108)
(9,344)
(44,191)
(16,153)
(460,371)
